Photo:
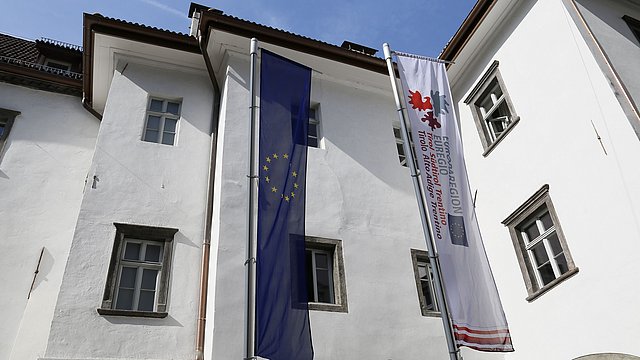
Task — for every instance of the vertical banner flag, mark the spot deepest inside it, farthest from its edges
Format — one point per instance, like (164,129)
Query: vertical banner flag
(476,311)
(283,330)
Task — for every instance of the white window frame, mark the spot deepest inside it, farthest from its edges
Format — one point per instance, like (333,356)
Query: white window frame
(140,265)
(163,115)
(329,269)
(421,258)
(485,125)
(338,288)
(315,122)
(530,212)
(397,134)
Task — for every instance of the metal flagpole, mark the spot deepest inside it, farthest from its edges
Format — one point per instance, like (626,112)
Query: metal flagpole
(424,215)
(252,246)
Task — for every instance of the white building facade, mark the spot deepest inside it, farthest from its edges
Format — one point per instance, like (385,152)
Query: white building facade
(139,199)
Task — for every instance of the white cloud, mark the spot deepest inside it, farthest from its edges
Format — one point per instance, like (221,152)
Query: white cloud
(165,8)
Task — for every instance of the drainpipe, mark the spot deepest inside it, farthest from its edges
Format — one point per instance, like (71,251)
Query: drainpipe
(206,244)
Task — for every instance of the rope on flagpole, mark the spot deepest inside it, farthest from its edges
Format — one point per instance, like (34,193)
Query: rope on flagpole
(422,57)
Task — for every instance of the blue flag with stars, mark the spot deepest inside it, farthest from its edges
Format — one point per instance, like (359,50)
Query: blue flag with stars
(282,315)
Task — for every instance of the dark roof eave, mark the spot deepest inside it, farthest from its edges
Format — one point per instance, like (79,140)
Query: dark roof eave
(218,21)
(93,23)
(43,80)
(466,30)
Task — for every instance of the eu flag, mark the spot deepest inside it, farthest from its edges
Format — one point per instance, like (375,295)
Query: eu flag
(282,315)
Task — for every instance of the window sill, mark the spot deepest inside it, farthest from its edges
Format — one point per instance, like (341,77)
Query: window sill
(327,307)
(552,284)
(493,145)
(132,313)
(429,313)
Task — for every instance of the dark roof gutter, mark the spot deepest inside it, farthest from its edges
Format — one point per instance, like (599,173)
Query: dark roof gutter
(214,19)
(466,30)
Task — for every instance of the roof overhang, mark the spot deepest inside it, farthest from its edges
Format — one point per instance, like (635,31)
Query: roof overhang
(106,40)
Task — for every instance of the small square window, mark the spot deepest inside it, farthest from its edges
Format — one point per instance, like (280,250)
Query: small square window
(424,283)
(6,122)
(162,121)
(137,281)
(313,137)
(492,109)
(540,245)
(56,66)
(326,288)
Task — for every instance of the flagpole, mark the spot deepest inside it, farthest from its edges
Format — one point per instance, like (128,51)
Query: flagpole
(252,246)
(424,215)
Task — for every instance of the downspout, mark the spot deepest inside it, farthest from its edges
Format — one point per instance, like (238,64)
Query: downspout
(206,244)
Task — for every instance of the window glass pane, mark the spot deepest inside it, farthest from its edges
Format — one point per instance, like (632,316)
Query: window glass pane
(422,271)
(170,125)
(310,285)
(132,251)
(322,261)
(324,294)
(167,138)
(562,263)
(125,299)
(173,108)
(149,277)
(1,130)
(546,221)
(540,254)
(152,253)
(532,231)
(146,300)
(312,113)
(396,133)
(153,122)
(312,142)
(555,244)
(128,277)
(546,273)
(151,136)
(426,292)
(155,105)
(313,130)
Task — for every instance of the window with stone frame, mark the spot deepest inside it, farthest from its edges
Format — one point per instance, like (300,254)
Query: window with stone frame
(6,122)
(326,286)
(314,136)
(402,156)
(540,244)
(138,277)
(162,118)
(424,283)
(634,25)
(492,109)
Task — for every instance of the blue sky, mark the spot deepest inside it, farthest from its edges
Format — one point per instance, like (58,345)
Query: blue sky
(421,27)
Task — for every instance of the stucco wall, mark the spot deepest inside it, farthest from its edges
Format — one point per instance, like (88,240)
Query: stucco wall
(618,42)
(139,183)
(357,192)
(558,91)
(42,172)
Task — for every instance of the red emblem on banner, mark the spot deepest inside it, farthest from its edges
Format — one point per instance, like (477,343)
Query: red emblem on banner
(415,99)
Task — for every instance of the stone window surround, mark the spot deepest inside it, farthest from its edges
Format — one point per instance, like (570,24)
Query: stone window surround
(142,232)
(10,115)
(422,256)
(524,211)
(339,282)
(486,79)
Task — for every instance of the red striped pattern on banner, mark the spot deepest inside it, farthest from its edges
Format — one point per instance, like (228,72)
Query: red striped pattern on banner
(484,340)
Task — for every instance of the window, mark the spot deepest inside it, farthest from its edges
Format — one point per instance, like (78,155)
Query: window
(58,65)
(326,287)
(139,272)
(424,283)
(397,133)
(634,25)
(492,109)
(313,138)
(6,122)
(162,121)
(540,246)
